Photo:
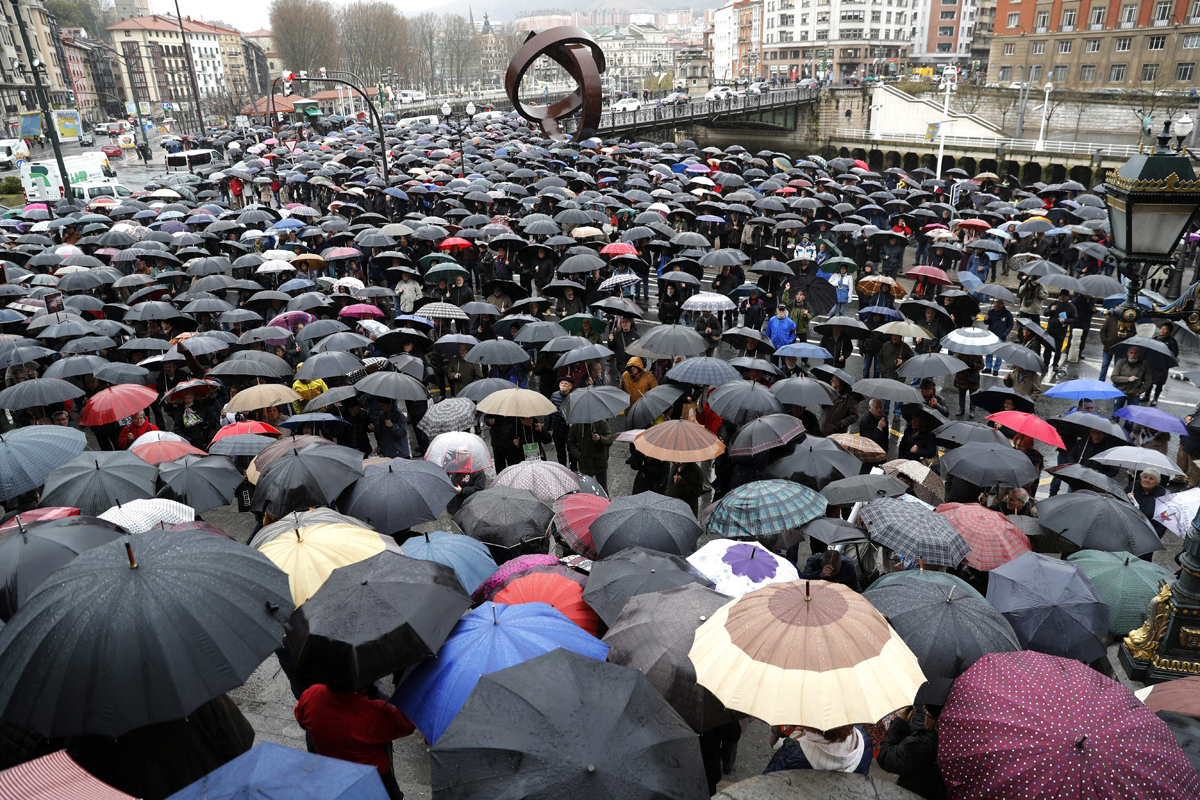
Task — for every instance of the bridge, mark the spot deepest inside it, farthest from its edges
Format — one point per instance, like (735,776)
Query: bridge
(779,109)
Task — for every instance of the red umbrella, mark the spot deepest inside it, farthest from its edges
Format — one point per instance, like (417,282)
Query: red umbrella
(932,274)
(360,311)
(39,515)
(1029,424)
(618,249)
(165,450)
(992,538)
(116,403)
(454,243)
(858,162)
(973,224)
(554,585)
(238,428)
(492,584)
(573,516)
(1027,724)
(199,388)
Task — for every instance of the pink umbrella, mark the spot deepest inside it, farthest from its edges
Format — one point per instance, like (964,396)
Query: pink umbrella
(290,319)
(508,569)
(360,311)
(32,206)
(272,140)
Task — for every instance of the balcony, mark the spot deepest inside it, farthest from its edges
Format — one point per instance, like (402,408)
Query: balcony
(1127,25)
(1160,23)
(1041,29)
(1095,26)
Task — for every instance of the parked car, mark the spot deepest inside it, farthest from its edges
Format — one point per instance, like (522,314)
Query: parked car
(111,150)
(676,99)
(627,104)
(809,83)
(758,87)
(719,93)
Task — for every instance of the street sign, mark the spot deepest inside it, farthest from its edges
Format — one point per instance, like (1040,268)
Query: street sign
(290,144)
(166,105)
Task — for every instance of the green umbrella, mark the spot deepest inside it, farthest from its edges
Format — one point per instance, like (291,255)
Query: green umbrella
(832,265)
(574,323)
(1126,583)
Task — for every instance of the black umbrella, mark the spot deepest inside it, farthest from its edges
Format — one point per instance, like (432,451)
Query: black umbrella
(95,482)
(593,404)
(819,295)
(634,571)
(1072,426)
(1077,476)
(741,401)
(830,530)
(589,352)
(647,520)
(1052,606)
(140,630)
(497,351)
(765,433)
(565,725)
(931,365)
(504,518)
(31,553)
(1157,354)
(652,404)
(1035,329)
(956,434)
(863,488)
(814,462)
(399,494)
(477,390)
(202,483)
(1099,522)
(804,392)
(1186,730)
(393,385)
(311,476)
(947,624)
(669,341)
(654,634)
(992,400)
(335,364)
(988,465)
(888,389)
(375,618)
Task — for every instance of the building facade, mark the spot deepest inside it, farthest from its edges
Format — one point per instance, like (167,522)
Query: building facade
(693,69)
(723,43)
(1147,45)
(834,40)
(266,40)
(636,54)
(942,32)
(16,81)
(153,51)
(126,9)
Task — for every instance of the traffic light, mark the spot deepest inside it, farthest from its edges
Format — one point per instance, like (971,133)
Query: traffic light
(288,77)
(321,72)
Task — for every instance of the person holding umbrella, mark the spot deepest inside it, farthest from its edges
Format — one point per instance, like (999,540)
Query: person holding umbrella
(1025,381)
(708,326)
(874,424)
(831,566)
(1132,376)
(1061,317)
(1159,371)
(686,484)
(1032,295)
(892,356)
(391,429)
(967,381)
(843,749)
(466,477)
(839,417)
(636,381)
(918,442)
(999,320)
(911,753)
(588,444)
(138,425)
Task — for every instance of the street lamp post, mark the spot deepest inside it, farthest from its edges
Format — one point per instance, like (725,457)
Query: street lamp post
(1040,144)
(948,83)
(36,66)
(459,127)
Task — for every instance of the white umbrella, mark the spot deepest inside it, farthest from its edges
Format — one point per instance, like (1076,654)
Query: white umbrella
(1137,458)
(1176,511)
(738,567)
(139,516)
(708,301)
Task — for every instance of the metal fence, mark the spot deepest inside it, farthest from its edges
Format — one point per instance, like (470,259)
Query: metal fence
(991,143)
(705,109)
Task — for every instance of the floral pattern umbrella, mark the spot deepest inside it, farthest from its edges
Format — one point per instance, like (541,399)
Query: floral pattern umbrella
(740,567)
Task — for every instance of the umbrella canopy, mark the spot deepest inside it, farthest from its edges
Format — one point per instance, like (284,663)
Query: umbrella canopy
(485,640)
(647,520)
(1175,512)
(458,451)
(55,775)
(679,441)
(554,584)
(956,434)
(516,403)
(504,518)
(812,785)
(804,392)
(765,433)
(971,341)
(1099,522)
(263,395)
(1052,607)
(992,538)
(373,618)
(736,568)
(862,448)
(703,371)
(139,516)
(469,559)
(573,518)
(634,571)
(669,341)
(765,508)
(311,476)
(1137,458)
(813,462)
(654,634)
(1030,425)
(116,403)
(913,533)
(393,385)
(888,389)
(1031,725)
(593,404)
(1153,418)
(652,404)
(809,653)
(1126,583)
(398,495)
(202,483)
(924,484)
(1084,389)
(931,365)
(93,482)
(285,772)
(451,414)
(1181,696)
(126,635)
(863,488)
(38,392)
(948,625)
(309,554)
(529,718)
(28,455)
(988,465)
(740,401)
(547,480)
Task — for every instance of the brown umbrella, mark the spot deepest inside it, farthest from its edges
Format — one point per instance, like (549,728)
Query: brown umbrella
(924,483)
(880,283)
(516,403)
(264,395)
(280,448)
(862,448)
(1181,696)
(680,441)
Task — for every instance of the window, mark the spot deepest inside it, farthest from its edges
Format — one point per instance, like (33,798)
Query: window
(1041,21)
(1064,46)
(1121,45)
(1096,18)
(1129,15)
(1005,74)
(1014,19)
(948,15)
(1087,73)
(945,47)
(1010,48)
(876,16)
(946,32)
(1156,42)
(1035,73)
(1162,11)
(1191,41)
(1039,48)
(1059,75)
(1149,73)
(1116,73)
(1194,12)
(1185,71)
(1069,16)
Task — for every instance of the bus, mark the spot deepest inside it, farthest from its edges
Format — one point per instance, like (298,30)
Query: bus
(188,160)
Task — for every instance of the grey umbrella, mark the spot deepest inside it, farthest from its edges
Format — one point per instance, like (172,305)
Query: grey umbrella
(334,364)
(497,351)
(28,455)
(653,403)
(1099,522)
(888,389)
(634,571)
(311,476)
(647,520)
(669,341)
(398,495)
(931,365)
(741,401)
(1020,356)
(593,404)
(38,392)
(394,385)
(989,465)
(804,392)
(202,483)
(95,482)
(863,488)
(505,519)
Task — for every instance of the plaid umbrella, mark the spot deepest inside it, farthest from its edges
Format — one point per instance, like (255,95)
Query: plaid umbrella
(703,371)
(443,311)
(873,285)
(573,518)
(736,568)
(28,455)
(914,533)
(971,341)
(1027,724)
(862,448)
(764,508)
(619,282)
(548,480)
(451,414)
(139,516)
(992,538)
(1126,583)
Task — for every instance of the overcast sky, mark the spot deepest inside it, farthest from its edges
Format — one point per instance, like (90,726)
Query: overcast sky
(252,15)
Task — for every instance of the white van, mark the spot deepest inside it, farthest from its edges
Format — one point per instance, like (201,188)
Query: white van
(424,119)
(42,182)
(407,96)
(90,190)
(188,160)
(11,150)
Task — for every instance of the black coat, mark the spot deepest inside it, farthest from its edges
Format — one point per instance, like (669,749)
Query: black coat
(923,440)
(868,426)
(911,753)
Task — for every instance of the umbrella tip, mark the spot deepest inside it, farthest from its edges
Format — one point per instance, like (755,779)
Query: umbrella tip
(129,555)
(495,618)
(1079,743)
(950,596)
(591,767)
(427,538)
(807,593)
(298,539)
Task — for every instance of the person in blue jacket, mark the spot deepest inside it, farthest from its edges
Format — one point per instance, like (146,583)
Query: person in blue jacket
(781,329)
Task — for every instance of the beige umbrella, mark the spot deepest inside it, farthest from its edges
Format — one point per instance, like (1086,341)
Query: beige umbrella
(264,395)
(905,328)
(679,440)
(516,403)
(809,653)
(309,554)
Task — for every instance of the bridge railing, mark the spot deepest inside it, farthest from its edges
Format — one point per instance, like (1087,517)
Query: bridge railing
(700,110)
(991,143)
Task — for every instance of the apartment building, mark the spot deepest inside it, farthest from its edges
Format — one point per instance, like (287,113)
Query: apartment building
(834,40)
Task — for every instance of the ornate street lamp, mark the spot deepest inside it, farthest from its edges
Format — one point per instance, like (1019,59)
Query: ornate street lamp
(459,127)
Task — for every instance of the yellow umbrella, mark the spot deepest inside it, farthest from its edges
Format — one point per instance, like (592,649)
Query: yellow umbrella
(809,653)
(310,553)
(516,403)
(264,395)
(905,328)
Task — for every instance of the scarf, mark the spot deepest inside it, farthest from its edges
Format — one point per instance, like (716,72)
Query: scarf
(831,756)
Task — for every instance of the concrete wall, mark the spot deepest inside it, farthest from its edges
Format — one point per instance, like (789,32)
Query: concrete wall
(903,113)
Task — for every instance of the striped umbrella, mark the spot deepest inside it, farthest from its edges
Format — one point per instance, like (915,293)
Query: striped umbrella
(764,508)
(914,533)
(443,311)
(573,518)
(992,538)
(55,775)
(971,341)
(680,441)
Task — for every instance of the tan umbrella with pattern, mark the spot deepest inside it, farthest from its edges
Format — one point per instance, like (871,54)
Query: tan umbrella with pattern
(679,441)
(809,653)
(516,402)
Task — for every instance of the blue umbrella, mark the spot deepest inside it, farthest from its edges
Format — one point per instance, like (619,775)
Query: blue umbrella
(889,314)
(315,418)
(282,773)
(1084,388)
(803,350)
(470,559)
(489,638)
(1153,418)
(296,284)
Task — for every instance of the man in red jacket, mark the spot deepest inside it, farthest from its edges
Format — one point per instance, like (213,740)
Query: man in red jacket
(353,726)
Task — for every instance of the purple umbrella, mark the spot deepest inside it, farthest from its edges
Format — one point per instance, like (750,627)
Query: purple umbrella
(697,169)
(172,226)
(290,319)
(1153,418)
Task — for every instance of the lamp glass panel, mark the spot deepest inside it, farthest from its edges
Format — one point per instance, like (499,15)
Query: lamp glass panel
(1157,227)
(1116,217)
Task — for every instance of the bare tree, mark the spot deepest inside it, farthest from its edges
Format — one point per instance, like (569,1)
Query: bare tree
(970,97)
(305,34)
(373,37)
(424,32)
(460,51)
(1153,101)
(1007,104)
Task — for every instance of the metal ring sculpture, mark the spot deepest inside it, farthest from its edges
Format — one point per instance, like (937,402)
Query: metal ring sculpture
(580,55)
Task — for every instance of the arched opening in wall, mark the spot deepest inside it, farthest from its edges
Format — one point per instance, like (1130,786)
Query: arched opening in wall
(1055,173)
(875,160)
(929,161)
(968,165)
(858,154)
(893,159)
(987,165)
(844,152)
(1083,174)
(910,161)
(1009,168)
(948,162)
(1031,173)
(1101,176)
